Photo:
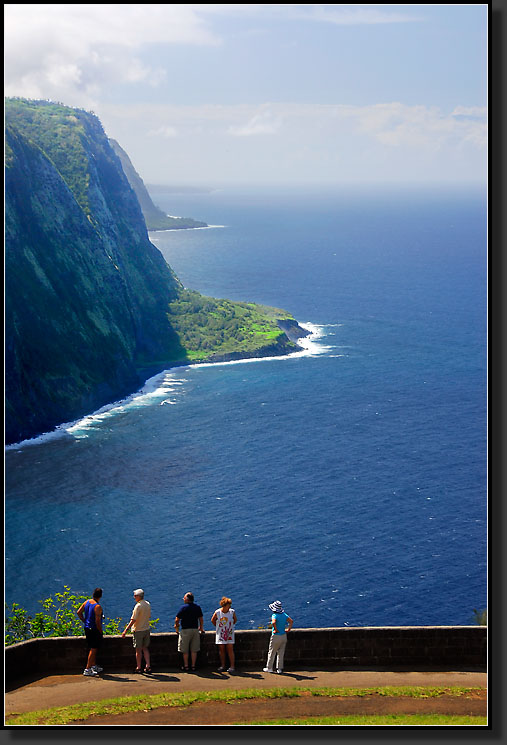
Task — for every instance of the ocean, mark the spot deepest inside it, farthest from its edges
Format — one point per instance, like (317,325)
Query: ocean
(348,481)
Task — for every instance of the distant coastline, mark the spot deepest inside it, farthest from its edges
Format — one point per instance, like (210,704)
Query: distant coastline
(171,230)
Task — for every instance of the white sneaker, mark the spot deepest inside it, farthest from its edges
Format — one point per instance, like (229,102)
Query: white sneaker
(266,670)
(279,671)
(221,669)
(97,668)
(90,671)
(230,670)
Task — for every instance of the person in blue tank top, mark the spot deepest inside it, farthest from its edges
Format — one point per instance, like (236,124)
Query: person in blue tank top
(280,623)
(90,613)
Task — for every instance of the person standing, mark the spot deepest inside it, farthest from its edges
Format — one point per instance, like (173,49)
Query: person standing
(90,613)
(278,641)
(140,623)
(189,640)
(224,619)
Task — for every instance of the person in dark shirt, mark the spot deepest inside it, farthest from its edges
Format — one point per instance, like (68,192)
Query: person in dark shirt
(90,613)
(189,635)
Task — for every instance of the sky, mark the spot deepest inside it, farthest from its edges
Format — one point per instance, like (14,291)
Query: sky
(260,94)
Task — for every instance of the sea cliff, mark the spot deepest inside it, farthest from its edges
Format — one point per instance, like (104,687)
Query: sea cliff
(91,304)
(154,217)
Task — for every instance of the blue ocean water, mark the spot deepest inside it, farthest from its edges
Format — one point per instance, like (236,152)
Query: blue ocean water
(348,481)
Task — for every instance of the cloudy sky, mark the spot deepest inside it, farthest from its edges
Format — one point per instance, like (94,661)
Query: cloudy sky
(267,93)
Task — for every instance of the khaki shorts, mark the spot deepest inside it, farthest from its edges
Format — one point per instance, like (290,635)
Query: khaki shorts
(189,639)
(141,639)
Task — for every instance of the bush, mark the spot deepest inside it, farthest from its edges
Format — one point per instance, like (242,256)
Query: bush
(59,618)
(481,617)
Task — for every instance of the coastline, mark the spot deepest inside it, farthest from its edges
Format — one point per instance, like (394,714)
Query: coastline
(152,389)
(171,230)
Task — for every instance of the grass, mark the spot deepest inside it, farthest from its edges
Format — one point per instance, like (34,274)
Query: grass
(380,720)
(71,714)
(208,326)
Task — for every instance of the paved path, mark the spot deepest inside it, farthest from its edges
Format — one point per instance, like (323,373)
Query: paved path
(64,690)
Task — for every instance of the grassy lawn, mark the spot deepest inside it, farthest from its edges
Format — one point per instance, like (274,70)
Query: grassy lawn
(69,714)
(381,720)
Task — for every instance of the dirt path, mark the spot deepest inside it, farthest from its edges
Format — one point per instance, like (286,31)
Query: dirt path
(65,690)
(242,712)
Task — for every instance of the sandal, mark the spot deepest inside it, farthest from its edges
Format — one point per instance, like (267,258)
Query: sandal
(138,670)
(184,669)
(193,669)
(147,670)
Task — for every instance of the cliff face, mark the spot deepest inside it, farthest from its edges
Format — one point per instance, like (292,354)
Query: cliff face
(86,291)
(92,308)
(154,217)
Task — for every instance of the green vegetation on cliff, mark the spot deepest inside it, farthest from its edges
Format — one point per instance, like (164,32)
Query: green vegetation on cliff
(91,304)
(209,328)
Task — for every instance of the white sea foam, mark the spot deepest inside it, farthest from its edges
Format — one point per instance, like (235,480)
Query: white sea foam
(167,382)
(172,230)
(158,386)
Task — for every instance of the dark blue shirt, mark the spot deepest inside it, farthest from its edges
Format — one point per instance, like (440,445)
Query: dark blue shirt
(89,614)
(189,615)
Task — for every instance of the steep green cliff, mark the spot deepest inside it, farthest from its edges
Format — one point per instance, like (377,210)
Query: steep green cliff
(92,308)
(154,217)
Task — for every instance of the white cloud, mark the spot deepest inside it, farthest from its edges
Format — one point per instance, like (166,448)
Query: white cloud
(395,125)
(70,52)
(262,123)
(306,142)
(357,16)
(163,131)
(338,14)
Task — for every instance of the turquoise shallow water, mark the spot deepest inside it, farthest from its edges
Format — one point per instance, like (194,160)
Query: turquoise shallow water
(349,481)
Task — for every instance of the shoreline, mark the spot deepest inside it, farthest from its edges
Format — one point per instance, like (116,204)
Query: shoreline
(148,389)
(171,230)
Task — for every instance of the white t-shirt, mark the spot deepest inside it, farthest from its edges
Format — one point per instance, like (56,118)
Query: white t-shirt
(224,633)
(141,616)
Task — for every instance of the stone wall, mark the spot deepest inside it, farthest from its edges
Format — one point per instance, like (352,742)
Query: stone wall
(450,647)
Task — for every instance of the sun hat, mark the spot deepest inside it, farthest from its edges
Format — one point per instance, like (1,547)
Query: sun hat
(276,607)
(139,592)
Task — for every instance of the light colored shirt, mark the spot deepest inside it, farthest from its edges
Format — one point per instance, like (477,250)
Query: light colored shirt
(141,616)
(224,633)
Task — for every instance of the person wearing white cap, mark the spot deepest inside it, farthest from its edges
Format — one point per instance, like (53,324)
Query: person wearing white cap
(280,622)
(140,621)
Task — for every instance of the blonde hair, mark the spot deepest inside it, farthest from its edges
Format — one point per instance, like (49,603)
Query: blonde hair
(225,601)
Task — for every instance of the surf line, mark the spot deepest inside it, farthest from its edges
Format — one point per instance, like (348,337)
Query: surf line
(159,385)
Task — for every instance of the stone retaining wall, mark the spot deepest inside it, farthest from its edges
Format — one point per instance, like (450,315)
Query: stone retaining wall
(451,647)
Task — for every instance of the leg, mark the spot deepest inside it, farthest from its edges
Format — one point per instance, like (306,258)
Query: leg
(281,652)
(221,651)
(195,645)
(92,656)
(146,652)
(230,650)
(272,651)
(183,644)
(139,657)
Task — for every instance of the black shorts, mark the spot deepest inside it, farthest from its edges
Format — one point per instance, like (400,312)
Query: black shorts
(93,638)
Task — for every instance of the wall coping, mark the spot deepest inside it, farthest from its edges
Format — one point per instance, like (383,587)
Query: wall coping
(311,629)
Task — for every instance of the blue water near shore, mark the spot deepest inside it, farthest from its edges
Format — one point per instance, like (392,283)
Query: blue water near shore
(348,482)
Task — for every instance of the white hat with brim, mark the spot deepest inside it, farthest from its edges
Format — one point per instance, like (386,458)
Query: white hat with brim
(276,607)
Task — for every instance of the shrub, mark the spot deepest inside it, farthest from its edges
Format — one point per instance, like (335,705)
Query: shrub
(481,617)
(58,618)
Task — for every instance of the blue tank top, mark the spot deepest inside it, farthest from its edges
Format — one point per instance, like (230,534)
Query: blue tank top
(89,614)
